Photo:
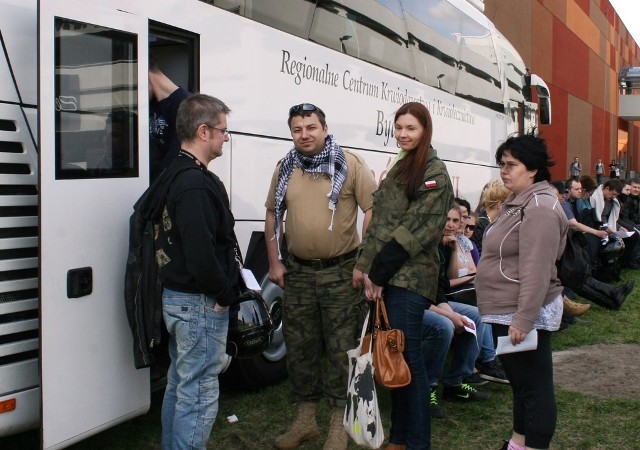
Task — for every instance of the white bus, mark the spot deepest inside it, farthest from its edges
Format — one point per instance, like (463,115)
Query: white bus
(67,186)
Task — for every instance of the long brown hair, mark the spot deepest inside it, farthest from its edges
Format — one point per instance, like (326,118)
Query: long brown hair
(411,169)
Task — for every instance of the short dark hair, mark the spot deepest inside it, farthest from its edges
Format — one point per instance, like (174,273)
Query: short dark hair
(614,185)
(588,183)
(463,202)
(569,182)
(305,110)
(559,185)
(531,151)
(635,180)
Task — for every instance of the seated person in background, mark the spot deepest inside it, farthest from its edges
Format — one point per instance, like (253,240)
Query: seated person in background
(600,293)
(469,228)
(626,186)
(632,213)
(606,210)
(604,202)
(459,270)
(628,205)
(465,211)
(443,328)
(571,203)
(491,201)
(588,184)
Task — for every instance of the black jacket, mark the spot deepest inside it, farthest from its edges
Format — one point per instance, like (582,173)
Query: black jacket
(629,206)
(142,286)
(196,246)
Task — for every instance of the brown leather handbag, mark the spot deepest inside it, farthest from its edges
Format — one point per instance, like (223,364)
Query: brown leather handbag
(390,368)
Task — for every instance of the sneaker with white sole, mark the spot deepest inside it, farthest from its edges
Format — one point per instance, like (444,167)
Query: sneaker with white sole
(475,380)
(492,371)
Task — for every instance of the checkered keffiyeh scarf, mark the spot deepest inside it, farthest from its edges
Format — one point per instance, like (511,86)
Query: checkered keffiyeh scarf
(330,161)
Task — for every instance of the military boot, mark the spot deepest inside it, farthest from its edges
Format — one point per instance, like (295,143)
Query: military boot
(337,438)
(303,428)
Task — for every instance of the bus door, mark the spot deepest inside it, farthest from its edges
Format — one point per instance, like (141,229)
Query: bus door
(93,157)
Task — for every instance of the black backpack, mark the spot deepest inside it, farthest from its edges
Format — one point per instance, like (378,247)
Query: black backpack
(573,266)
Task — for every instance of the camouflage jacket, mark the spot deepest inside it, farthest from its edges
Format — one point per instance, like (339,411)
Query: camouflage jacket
(416,226)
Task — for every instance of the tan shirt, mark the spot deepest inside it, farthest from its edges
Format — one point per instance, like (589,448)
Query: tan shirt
(308,216)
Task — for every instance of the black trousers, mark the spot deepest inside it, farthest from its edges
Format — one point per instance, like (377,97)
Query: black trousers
(602,294)
(531,376)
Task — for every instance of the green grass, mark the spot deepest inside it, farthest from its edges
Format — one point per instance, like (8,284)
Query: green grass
(584,422)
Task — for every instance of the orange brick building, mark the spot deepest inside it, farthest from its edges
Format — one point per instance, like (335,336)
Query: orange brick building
(578,48)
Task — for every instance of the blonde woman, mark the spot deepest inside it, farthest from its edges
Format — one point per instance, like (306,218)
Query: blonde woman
(493,196)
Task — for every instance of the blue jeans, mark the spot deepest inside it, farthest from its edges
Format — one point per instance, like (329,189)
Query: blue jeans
(197,347)
(410,415)
(438,336)
(487,349)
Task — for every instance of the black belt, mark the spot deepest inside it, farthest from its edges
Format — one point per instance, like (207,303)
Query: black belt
(319,264)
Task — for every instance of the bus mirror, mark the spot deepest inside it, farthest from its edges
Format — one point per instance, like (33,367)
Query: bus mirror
(545,111)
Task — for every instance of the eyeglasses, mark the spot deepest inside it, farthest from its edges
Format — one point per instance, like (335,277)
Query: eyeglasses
(470,227)
(224,131)
(295,109)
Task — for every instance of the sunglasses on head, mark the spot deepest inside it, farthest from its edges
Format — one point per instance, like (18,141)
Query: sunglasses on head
(470,227)
(295,109)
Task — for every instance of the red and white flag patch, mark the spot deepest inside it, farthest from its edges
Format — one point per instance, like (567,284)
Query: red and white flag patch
(430,184)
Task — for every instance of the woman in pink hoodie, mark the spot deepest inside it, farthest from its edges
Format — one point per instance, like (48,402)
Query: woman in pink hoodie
(517,285)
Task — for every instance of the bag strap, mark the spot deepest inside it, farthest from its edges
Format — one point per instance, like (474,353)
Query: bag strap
(381,313)
(363,333)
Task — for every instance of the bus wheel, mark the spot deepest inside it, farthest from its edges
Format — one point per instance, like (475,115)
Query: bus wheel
(270,367)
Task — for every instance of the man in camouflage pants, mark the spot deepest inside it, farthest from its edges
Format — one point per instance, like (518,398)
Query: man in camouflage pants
(321,188)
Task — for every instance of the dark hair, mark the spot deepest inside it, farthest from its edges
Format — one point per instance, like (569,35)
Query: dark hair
(411,169)
(529,150)
(635,180)
(569,182)
(614,185)
(305,110)
(463,202)
(559,185)
(588,183)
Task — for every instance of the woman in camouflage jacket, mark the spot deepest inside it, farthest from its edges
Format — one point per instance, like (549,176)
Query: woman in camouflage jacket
(399,256)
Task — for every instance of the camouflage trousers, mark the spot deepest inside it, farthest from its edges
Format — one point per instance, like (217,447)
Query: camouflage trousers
(322,316)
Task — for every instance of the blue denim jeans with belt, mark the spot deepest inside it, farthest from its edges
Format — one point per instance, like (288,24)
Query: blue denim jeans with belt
(197,347)
(410,410)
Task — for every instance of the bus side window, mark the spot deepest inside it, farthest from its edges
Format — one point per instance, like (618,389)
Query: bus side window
(376,33)
(275,13)
(433,26)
